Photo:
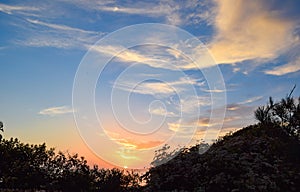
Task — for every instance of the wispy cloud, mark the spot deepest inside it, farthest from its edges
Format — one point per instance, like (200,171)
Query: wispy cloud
(203,122)
(242,105)
(179,94)
(37,31)
(128,142)
(153,56)
(191,104)
(148,88)
(214,90)
(233,107)
(44,34)
(159,88)
(251,100)
(10,9)
(162,112)
(183,128)
(166,9)
(125,55)
(61,27)
(53,111)
(291,67)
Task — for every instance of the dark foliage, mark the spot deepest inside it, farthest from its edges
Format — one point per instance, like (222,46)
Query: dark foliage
(285,113)
(262,157)
(1,129)
(34,167)
(256,158)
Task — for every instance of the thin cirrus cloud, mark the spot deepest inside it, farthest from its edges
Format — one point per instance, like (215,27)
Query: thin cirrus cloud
(243,31)
(188,101)
(242,104)
(290,67)
(44,34)
(24,10)
(124,55)
(237,115)
(162,112)
(172,12)
(130,143)
(148,56)
(54,111)
(169,10)
(214,90)
(47,34)
(179,127)
(158,87)
(171,58)
(60,27)
(139,145)
(251,100)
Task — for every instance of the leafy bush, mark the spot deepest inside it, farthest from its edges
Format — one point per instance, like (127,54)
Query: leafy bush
(262,157)
(34,167)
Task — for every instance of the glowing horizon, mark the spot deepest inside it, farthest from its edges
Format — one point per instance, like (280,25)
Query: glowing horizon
(159,84)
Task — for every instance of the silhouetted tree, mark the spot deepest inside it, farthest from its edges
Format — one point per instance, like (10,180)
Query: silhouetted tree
(1,129)
(164,154)
(262,114)
(22,165)
(34,167)
(261,157)
(285,113)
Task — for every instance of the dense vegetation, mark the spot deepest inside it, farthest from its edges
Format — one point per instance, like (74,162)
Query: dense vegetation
(261,157)
(24,166)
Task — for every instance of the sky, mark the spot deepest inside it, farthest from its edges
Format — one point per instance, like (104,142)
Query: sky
(116,80)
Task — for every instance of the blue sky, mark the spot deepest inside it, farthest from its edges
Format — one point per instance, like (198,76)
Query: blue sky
(254,44)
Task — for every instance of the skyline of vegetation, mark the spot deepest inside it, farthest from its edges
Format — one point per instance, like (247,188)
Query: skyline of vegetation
(24,166)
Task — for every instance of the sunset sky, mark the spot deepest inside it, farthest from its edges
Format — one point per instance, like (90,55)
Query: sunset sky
(147,95)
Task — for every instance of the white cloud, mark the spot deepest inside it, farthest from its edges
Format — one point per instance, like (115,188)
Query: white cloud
(125,55)
(182,128)
(166,9)
(10,9)
(61,27)
(191,104)
(36,32)
(251,100)
(148,56)
(53,111)
(290,67)
(165,88)
(214,90)
(172,12)
(179,95)
(162,112)
(250,30)
(59,36)
(160,57)
(148,88)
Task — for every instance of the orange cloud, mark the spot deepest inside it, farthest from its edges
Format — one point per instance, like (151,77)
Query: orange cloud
(290,67)
(130,143)
(248,30)
(56,110)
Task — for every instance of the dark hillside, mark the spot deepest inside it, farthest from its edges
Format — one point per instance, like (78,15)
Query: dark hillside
(257,158)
